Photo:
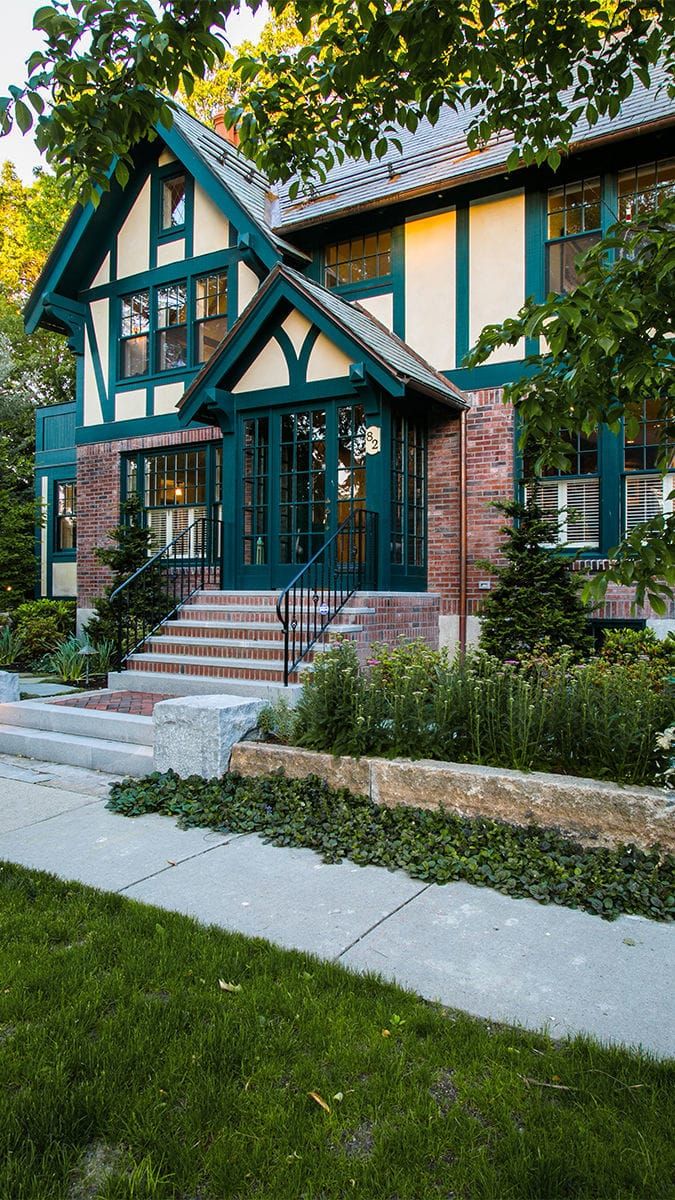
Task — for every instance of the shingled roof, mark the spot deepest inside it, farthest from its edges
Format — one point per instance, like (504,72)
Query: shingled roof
(437,156)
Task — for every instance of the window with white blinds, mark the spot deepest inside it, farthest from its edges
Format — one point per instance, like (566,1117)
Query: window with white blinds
(167,523)
(573,508)
(647,496)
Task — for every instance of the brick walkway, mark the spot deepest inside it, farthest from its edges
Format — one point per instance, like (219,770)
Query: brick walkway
(136,704)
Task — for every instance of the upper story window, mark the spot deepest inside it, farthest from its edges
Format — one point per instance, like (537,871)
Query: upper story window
(358,260)
(210,314)
(173,204)
(573,226)
(172,326)
(135,334)
(643,188)
(65,516)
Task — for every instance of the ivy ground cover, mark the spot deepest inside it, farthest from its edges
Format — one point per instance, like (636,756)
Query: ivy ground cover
(143,1056)
(435,846)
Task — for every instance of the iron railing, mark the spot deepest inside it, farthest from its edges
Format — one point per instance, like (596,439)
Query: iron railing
(346,563)
(170,577)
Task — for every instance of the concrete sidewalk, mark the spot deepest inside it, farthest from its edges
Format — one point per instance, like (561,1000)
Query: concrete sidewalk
(471,948)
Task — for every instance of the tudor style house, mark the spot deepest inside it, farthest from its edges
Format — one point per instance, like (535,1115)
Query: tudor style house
(280,381)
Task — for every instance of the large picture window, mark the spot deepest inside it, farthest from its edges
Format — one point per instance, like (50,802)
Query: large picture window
(573,226)
(358,260)
(176,488)
(134,334)
(65,515)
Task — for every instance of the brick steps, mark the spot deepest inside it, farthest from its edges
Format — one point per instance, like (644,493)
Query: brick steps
(210,666)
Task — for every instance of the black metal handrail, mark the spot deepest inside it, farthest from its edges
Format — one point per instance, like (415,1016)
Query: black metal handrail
(158,588)
(346,563)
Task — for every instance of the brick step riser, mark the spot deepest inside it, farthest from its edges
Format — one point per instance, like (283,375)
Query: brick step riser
(213,612)
(170,649)
(179,630)
(207,670)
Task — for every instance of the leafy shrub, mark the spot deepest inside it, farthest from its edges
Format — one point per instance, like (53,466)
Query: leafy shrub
(11,646)
(536,601)
(435,846)
(41,625)
(76,659)
(556,716)
(637,648)
(277,721)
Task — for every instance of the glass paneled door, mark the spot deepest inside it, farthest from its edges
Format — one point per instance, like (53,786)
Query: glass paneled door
(302,472)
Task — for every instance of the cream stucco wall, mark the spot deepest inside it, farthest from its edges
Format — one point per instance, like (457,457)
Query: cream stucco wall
(170,252)
(93,413)
(64,579)
(166,157)
(130,405)
(248,284)
(326,361)
(103,274)
(430,288)
(133,239)
(297,327)
(211,228)
(381,307)
(167,396)
(269,369)
(496,266)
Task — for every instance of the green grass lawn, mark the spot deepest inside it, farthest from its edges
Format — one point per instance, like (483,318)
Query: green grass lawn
(127,1071)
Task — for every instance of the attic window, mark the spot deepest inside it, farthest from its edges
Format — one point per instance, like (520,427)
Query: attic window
(173,203)
(358,260)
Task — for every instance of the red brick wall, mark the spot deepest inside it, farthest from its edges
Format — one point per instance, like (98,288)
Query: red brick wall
(98,500)
(489,475)
(490,439)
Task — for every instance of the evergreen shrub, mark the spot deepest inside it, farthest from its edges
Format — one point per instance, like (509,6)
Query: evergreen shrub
(40,625)
(536,601)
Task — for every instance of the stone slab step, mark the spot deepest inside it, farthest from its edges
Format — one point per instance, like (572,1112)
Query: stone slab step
(172,684)
(97,754)
(81,722)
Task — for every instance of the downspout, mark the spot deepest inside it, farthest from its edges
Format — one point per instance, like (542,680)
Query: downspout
(462,531)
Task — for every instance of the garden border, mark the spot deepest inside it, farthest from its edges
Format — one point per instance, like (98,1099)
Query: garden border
(594,812)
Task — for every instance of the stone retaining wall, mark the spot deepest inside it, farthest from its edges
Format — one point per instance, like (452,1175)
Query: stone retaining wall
(593,812)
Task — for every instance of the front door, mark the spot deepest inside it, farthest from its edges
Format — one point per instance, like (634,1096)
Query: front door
(302,472)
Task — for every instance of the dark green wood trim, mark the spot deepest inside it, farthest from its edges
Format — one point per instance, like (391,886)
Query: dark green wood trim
(492,375)
(201,265)
(398,279)
(113,431)
(104,392)
(535,263)
(462,283)
(306,351)
(299,394)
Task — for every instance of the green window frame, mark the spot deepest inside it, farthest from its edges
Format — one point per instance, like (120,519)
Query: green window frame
(643,187)
(177,485)
(172,215)
(408,494)
(358,260)
(171,328)
(65,516)
(210,322)
(134,334)
(573,225)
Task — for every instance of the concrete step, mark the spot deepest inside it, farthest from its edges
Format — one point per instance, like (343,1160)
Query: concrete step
(173,684)
(233,668)
(97,754)
(81,722)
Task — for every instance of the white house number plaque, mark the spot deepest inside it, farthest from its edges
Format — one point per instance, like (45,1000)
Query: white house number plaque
(373,439)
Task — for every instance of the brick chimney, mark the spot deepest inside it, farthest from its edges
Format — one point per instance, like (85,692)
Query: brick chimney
(230,135)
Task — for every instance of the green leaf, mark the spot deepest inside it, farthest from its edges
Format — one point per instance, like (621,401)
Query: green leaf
(24,118)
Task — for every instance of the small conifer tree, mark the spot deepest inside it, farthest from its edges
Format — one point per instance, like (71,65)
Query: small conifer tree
(130,549)
(536,602)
